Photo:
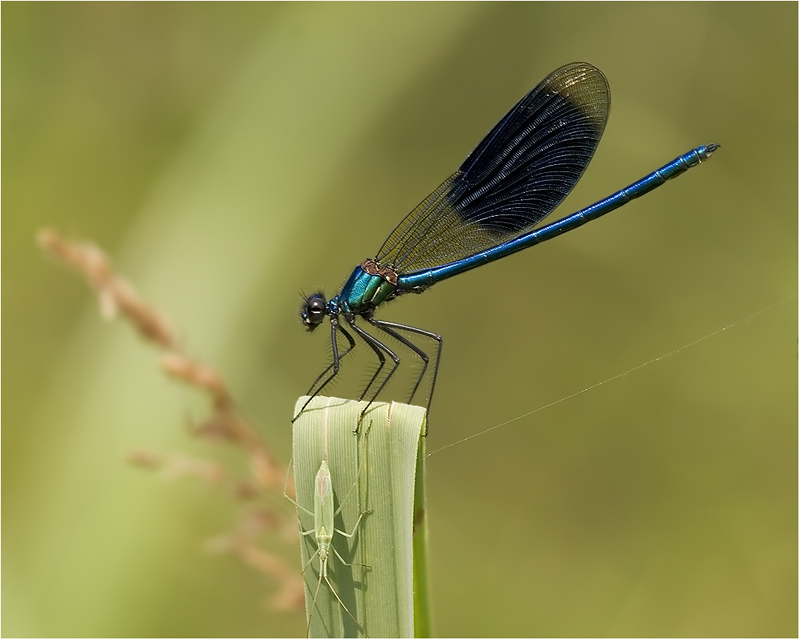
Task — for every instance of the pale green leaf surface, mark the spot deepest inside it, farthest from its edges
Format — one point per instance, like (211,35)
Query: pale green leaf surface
(373,472)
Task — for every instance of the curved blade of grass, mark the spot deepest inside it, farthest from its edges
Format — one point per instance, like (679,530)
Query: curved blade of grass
(373,472)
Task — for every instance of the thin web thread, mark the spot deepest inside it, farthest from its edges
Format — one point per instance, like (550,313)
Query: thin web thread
(614,377)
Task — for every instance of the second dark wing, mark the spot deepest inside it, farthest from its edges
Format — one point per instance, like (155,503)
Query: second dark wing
(516,176)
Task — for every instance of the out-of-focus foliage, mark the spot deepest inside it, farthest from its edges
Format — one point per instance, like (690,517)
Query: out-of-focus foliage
(229,156)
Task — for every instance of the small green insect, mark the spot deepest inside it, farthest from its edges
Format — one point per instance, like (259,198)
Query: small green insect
(323,531)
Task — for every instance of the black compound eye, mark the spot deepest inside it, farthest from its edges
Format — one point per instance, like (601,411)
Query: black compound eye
(313,311)
(316,310)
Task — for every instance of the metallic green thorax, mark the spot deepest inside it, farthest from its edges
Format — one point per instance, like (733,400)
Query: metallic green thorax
(369,285)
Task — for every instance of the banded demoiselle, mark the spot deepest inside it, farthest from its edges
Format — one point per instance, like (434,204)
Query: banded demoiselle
(486,210)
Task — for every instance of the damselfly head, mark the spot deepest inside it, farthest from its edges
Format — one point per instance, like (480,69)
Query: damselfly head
(313,310)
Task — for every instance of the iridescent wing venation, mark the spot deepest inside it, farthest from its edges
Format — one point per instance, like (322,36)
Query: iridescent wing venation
(515,177)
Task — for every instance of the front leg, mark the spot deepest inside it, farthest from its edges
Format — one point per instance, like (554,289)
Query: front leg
(334,366)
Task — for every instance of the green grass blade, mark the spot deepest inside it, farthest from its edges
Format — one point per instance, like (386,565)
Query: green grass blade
(422,618)
(375,472)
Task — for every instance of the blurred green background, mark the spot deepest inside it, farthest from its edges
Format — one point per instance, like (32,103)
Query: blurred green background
(228,156)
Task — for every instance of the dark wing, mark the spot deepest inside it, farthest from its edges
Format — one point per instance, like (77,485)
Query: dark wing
(517,175)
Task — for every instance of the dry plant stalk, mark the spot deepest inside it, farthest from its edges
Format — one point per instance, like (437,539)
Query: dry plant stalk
(118,298)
